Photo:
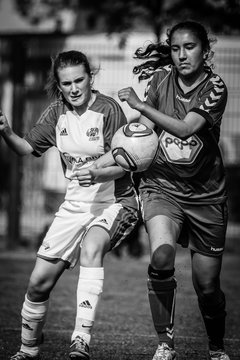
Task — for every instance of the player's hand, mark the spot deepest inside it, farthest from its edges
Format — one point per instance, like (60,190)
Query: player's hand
(85,176)
(3,122)
(130,96)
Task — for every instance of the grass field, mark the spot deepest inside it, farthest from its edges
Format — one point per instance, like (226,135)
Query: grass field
(123,329)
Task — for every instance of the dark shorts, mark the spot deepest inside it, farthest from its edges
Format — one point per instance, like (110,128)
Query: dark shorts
(203,226)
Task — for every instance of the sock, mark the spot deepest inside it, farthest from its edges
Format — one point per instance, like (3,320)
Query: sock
(162,294)
(213,312)
(89,289)
(33,319)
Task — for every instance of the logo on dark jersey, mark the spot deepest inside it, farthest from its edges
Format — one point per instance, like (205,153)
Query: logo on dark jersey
(182,98)
(180,151)
(93,134)
(63,132)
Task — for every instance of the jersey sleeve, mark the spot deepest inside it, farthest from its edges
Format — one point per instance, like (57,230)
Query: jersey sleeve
(212,101)
(43,135)
(151,91)
(114,119)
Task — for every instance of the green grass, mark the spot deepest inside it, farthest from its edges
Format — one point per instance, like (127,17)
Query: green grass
(123,328)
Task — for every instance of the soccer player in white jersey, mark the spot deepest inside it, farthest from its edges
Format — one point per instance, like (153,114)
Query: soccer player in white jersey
(100,207)
(184,193)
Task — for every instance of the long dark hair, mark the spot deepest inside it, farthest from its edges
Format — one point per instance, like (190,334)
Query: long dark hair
(159,54)
(61,61)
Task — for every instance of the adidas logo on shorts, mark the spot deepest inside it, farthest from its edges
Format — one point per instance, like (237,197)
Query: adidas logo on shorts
(104,221)
(85,304)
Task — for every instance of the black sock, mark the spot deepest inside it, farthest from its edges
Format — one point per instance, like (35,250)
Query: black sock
(162,292)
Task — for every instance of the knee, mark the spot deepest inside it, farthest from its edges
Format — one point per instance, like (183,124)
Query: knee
(206,287)
(163,257)
(212,302)
(210,295)
(91,254)
(39,289)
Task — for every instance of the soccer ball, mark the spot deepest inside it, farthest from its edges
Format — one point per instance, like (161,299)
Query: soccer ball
(134,146)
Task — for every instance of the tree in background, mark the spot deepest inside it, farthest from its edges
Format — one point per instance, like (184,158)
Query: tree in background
(123,16)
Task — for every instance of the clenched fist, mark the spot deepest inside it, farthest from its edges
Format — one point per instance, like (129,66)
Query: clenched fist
(129,95)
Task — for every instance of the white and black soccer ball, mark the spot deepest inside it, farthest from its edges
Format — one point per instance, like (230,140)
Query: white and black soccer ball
(134,147)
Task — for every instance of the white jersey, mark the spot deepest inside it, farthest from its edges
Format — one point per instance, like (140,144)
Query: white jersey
(81,139)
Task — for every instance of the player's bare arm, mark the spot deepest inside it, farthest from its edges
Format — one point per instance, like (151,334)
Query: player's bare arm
(192,122)
(105,160)
(102,170)
(105,169)
(108,173)
(144,120)
(15,142)
(92,174)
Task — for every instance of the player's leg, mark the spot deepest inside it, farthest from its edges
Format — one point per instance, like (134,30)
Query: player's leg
(35,306)
(103,234)
(162,285)
(89,289)
(208,226)
(211,299)
(163,218)
(60,242)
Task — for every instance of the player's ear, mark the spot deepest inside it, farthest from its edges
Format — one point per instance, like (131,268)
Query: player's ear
(91,78)
(59,92)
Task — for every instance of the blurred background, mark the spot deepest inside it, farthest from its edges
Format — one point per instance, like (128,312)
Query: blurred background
(108,32)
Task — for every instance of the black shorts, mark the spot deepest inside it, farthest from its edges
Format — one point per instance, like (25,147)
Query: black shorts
(203,226)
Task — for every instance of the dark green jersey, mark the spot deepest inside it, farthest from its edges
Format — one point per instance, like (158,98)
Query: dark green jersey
(190,169)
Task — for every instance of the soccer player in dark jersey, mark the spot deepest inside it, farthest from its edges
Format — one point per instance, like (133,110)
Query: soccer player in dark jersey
(183,193)
(100,207)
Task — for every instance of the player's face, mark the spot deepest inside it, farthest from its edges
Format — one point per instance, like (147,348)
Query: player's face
(75,85)
(187,54)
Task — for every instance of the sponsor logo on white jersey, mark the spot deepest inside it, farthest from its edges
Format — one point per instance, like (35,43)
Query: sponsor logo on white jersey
(93,134)
(63,132)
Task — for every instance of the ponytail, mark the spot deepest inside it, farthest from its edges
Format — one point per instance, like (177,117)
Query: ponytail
(159,55)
